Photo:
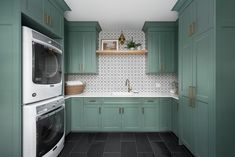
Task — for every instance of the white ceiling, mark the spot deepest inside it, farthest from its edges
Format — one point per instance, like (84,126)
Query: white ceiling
(121,14)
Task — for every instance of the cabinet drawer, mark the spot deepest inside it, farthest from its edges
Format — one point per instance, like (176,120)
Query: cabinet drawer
(122,100)
(151,100)
(88,101)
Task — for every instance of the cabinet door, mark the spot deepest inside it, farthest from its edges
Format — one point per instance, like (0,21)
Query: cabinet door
(153,52)
(187,124)
(203,52)
(92,114)
(56,21)
(111,117)
(47,10)
(186,61)
(175,117)
(204,15)
(131,116)
(167,52)
(68,116)
(150,113)
(74,54)
(33,9)
(165,114)
(76,114)
(89,52)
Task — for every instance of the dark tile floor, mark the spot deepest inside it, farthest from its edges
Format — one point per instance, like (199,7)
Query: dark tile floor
(163,144)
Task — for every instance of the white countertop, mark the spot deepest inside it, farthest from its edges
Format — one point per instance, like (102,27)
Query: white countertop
(109,94)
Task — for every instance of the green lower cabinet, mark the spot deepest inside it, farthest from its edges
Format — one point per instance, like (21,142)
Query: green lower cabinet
(165,114)
(92,117)
(111,117)
(68,116)
(201,129)
(76,114)
(187,123)
(150,112)
(131,116)
(175,117)
(124,114)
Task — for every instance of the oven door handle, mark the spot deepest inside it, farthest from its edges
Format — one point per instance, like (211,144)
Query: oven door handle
(50,113)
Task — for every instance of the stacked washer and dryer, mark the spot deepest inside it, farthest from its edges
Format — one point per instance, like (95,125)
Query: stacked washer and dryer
(43,106)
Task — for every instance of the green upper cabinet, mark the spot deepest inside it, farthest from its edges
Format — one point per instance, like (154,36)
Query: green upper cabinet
(33,9)
(53,17)
(81,45)
(161,43)
(45,15)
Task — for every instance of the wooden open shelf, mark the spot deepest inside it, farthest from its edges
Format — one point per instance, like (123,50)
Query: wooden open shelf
(121,52)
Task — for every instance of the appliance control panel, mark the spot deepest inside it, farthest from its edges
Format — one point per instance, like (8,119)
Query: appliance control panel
(49,106)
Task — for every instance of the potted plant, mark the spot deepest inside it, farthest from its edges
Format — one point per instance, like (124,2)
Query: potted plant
(132,45)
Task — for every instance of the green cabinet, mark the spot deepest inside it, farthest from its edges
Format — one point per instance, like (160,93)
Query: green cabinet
(81,45)
(175,117)
(33,9)
(92,117)
(67,116)
(161,43)
(187,123)
(151,112)
(10,62)
(92,114)
(118,114)
(45,15)
(131,114)
(165,114)
(76,114)
(111,116)
(195,75)
(52,17)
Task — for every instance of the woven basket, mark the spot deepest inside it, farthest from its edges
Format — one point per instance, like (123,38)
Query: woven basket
(71,90)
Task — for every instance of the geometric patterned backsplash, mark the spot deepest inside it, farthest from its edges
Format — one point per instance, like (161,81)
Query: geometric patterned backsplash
(115,69)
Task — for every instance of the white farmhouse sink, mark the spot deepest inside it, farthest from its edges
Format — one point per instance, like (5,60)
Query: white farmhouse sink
(121,93)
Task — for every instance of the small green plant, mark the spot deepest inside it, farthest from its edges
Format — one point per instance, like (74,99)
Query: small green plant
(132,44)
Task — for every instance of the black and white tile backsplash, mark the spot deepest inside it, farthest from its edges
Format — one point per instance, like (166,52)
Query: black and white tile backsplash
(115,69)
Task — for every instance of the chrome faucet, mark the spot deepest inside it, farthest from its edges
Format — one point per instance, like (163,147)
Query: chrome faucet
(128,83)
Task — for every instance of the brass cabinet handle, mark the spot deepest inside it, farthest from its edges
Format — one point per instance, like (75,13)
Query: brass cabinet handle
(190,30)
(123,110)
(193,28)
(99,110)
(193,96)
(142,110)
